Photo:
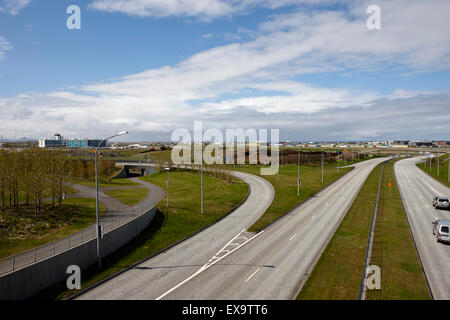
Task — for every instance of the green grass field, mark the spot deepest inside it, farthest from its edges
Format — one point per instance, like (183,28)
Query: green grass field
(285,185)
(114,183)
(401,273)
(337,275)
(20,231)
(443,169)
(131,197)
(170,225)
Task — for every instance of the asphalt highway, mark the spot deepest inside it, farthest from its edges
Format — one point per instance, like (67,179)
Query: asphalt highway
(155,276)
(417,190)
(277,262)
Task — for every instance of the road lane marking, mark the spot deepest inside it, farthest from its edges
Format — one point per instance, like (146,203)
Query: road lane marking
(251,276)
(313,218)
(209,264)
(292,237)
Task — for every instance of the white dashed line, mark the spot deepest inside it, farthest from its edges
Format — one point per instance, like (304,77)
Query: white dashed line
(292,237)
(252,274)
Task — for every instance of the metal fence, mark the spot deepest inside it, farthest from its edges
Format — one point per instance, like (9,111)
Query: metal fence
(108,223)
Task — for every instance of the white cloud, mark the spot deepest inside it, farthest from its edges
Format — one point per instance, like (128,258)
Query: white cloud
(4,46)
(13,6)
(256,83)
(163,8)
(203,9)
(207,36)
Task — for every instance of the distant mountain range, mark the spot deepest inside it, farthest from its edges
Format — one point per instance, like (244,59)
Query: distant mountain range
(23,139)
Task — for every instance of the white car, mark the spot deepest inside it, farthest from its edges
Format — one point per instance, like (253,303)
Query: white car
(440,202)
(441,228)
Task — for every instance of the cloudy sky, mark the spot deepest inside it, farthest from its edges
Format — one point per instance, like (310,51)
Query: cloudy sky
(310,68)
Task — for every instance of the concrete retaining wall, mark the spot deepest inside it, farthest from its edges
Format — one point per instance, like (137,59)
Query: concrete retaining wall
(26,282)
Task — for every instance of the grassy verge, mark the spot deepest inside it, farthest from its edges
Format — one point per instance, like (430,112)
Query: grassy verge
(21,230)
(394,252)
(337,274)
(170,225)
(130,197)
(285,186)
(443,169)
(114,183)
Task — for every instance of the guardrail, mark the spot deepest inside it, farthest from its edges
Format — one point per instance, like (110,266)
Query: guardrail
(108,223)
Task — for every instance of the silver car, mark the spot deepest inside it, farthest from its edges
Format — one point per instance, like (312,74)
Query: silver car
(441,229)
(440,202)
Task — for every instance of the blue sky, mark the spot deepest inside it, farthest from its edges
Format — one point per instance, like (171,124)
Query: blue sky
(151,66)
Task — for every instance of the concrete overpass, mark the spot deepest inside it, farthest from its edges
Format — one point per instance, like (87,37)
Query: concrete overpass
(135,165)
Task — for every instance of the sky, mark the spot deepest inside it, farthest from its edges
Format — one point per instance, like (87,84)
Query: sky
(310,68)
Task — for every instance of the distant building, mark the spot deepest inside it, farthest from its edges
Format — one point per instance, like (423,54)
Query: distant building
(57,142)
(84,143)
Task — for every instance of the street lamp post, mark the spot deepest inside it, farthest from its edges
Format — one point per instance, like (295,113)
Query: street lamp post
(322,165)
(201,184)
(298,174)
(337,160)
(168,185)
(99,258)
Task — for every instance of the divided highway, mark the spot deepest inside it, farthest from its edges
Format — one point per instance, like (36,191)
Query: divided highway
(155,276)
(417,190)
(277,262)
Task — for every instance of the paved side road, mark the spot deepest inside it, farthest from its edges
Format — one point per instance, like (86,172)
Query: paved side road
(276,263)
(417,190)
(115,207)
(153,277)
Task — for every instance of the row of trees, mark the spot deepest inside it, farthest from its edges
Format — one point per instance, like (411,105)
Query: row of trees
(30,175)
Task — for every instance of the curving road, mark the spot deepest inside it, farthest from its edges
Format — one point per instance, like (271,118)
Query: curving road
(417,190)
(159,274)
(275,264)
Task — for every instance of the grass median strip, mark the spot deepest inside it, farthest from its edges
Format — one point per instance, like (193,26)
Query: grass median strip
(401,273)
(337,274)
(285,186)
(170,225)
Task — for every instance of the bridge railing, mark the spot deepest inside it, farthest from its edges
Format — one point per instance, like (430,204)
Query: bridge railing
(108,223)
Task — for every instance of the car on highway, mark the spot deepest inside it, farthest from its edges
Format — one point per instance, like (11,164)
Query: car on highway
(440,202)
(441,229)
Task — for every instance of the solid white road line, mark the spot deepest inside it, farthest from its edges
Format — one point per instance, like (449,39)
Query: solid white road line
(208,265)
(252,274)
